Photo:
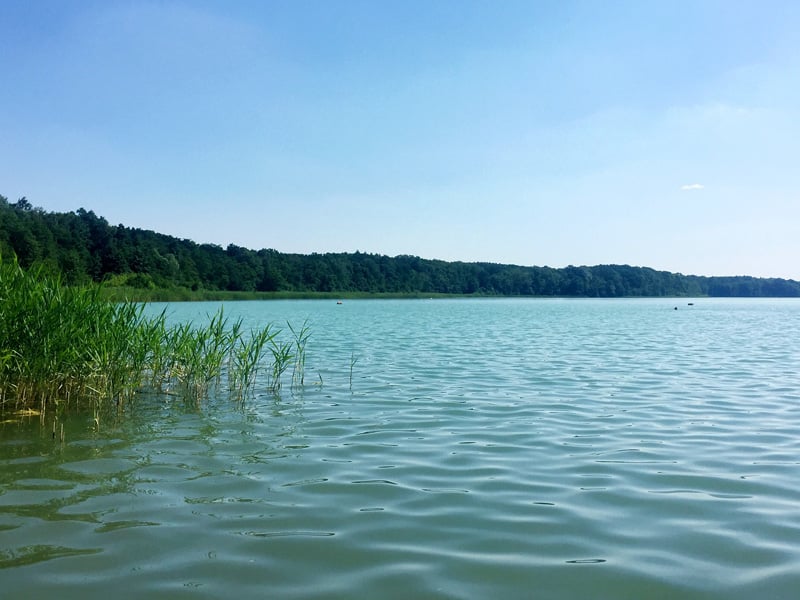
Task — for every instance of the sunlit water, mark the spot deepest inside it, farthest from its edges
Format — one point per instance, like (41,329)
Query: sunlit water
(486,449)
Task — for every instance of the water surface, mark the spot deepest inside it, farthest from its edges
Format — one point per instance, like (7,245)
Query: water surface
(482,448)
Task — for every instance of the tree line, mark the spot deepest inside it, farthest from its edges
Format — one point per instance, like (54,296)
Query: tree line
(82,247)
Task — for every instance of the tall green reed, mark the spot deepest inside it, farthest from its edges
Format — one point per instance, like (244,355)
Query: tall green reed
(62,345)
(281,359)
(247,355)
(300,336)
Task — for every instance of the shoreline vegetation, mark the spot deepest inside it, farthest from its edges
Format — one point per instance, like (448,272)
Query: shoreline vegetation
(68,346)
(134,264)
(121,294)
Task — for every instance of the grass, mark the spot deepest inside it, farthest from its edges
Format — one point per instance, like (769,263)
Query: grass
(71,345)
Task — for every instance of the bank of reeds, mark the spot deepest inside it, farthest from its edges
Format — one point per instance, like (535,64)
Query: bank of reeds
(61,344)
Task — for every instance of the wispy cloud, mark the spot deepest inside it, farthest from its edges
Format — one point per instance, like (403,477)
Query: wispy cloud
(692,186)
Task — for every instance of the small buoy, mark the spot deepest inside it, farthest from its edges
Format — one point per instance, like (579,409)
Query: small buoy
(676,308)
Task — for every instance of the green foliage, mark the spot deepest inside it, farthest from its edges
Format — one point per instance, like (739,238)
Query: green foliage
(301,336)
(247,354)
(83,247)
(62,344)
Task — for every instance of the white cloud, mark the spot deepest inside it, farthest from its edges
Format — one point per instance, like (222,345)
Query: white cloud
(692,186)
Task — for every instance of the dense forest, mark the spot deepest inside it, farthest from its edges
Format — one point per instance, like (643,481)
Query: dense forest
(82,247)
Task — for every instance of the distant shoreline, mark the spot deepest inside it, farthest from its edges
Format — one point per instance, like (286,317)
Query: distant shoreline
(82,248)
(186,295)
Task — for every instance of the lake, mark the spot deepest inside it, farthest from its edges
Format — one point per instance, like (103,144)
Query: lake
(487,448)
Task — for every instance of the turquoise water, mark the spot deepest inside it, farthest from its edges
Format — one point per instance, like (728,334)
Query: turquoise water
(485,449)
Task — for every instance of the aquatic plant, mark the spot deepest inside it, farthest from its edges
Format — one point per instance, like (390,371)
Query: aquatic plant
(60,341)
(353,361)
(247,355)
(281,358)
(62,344)
(301,336)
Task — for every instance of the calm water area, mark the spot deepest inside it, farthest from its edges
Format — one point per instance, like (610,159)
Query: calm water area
(493,448)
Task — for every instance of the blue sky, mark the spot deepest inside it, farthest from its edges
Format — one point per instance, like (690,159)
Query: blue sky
(660,134)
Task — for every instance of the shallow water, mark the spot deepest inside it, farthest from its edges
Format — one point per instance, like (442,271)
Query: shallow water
(486,448)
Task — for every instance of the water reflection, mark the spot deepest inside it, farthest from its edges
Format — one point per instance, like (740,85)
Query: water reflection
(107,463)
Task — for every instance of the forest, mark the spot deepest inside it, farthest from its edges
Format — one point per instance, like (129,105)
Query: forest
(82,247)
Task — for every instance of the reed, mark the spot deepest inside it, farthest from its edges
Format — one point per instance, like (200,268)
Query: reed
(62,345)
(300,336)
(281,359)
(248,353)
(353,362)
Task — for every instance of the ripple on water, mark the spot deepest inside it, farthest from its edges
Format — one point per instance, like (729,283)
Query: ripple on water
(486,449)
